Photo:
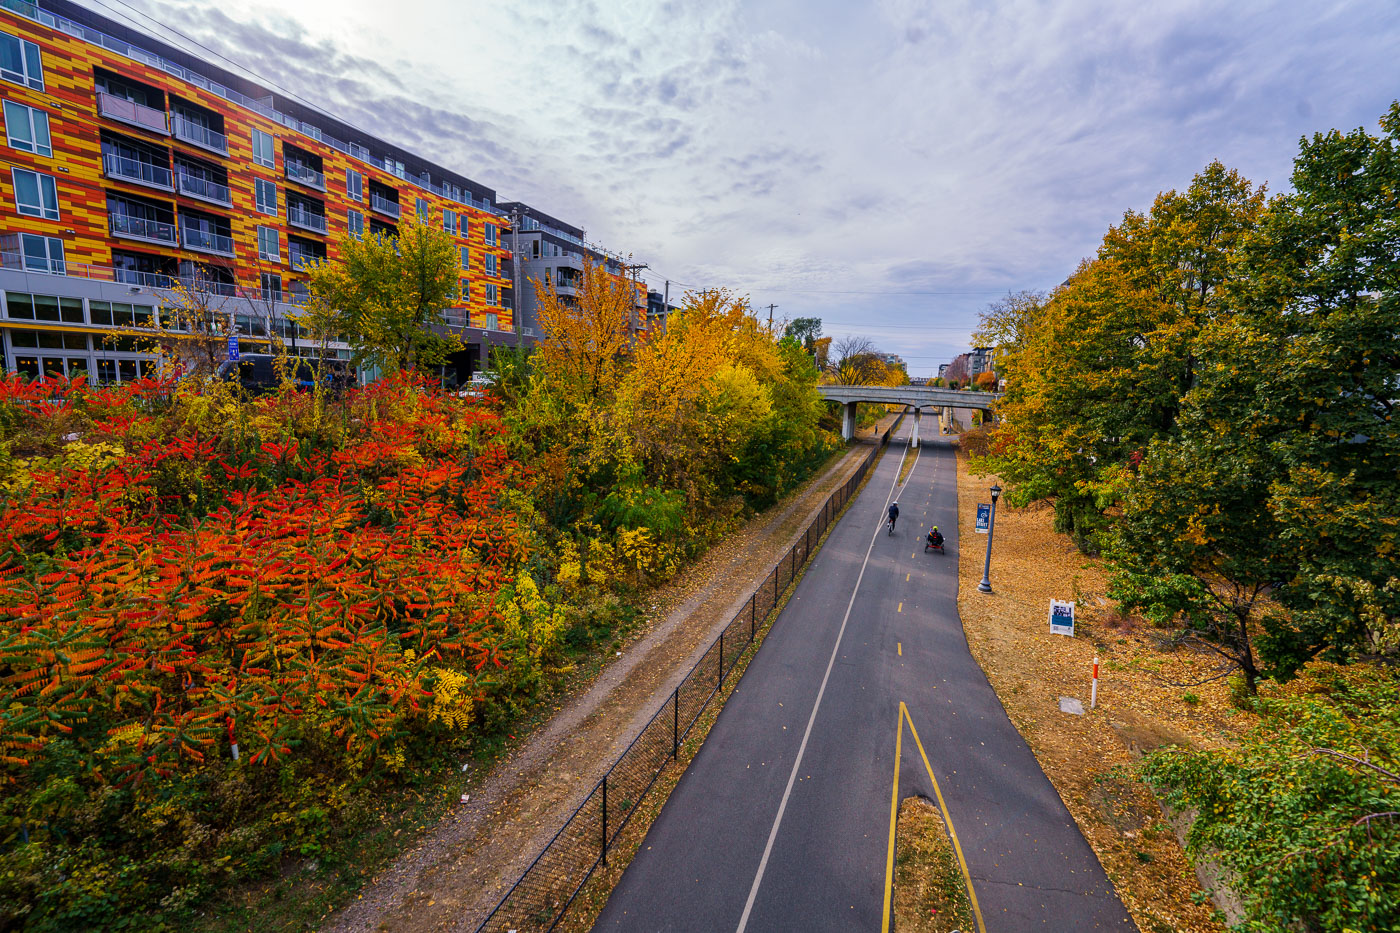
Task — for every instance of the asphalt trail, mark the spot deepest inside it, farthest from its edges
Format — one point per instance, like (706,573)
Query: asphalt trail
(718,857)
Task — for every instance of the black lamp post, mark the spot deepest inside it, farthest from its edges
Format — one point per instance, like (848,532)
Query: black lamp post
(986,585)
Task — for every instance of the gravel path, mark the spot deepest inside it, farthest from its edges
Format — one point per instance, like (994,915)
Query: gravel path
(460,869)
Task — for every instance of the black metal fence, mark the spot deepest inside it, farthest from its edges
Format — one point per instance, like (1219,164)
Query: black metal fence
(539,899)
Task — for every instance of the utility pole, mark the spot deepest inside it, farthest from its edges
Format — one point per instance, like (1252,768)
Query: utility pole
(635,267)
(666,307)
(770,319)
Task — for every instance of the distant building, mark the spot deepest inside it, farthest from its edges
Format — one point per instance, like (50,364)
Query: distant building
(943,370)
(891,359)
(658,311)
(979,361)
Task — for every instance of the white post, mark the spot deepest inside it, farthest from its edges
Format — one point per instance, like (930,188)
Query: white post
(917,412)
(848,421)
(1094,687)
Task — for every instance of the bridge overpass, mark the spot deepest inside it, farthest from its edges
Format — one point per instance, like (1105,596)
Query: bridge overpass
(916,397)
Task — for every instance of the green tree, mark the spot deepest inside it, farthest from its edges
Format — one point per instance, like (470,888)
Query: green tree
(806,331)
(387,294)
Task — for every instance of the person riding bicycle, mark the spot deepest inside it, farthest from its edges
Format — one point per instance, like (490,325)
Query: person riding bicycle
(893,514)
(935,537)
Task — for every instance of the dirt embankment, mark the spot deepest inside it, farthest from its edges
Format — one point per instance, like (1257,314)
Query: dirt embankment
(460,868)
(1150,694)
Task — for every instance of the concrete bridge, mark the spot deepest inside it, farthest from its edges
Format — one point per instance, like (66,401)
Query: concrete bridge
(916,397)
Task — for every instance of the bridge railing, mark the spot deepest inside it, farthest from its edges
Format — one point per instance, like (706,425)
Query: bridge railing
(538,900)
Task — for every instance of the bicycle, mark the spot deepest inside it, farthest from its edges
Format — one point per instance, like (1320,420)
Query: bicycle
(890,522)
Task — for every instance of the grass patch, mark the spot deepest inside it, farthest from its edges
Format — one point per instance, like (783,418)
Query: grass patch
(929,894)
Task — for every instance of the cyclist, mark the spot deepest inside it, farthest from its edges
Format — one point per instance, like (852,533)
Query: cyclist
(893,515)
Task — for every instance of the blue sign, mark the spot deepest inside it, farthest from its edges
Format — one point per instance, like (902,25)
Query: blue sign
(1061,618)
(984,518)
(233,347)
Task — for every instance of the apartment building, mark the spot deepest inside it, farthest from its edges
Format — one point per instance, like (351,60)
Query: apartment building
(551,254)
(131,166)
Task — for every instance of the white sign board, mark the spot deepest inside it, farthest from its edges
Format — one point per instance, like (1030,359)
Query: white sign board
(1061,618)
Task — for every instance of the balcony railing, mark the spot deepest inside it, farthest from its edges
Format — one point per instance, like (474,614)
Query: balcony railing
(204,189)
(307,220)
(384,206)
(119,108)
(305,175)
(136,171)
(141,228)
(301,261)
(206,241)
(202,136)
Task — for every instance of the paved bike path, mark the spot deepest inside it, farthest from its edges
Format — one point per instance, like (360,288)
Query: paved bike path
(826,864)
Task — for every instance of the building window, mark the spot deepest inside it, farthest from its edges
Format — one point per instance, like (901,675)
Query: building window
(36,195)
(263,153)
(356,222)
(492,322)
(266,196)
(20,62)
(420,208)
(27,129)
(449,221)
(269,245)
(271,286)
(24,307)
(490,263)
(465,222)
(465,294)
(120,314)
(490,234)
(466,258)
(354,185)
(491,293)
(42,253)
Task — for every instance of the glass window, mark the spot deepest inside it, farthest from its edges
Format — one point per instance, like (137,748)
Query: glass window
(106,370)
(490,263)
(466,258)
(490,233)
(269,246)
(466,225)
(420,208)
(354,185)
(492,322)
(127,368)
(20,62)
(27,129)
(101,312)
(42,253)
(466,292)
(491,293)
(262,149)
(271,286)
(449,221)
(266,196)
(19,305)
(36,194)
(356,222)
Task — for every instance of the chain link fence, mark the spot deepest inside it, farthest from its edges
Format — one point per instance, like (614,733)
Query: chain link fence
(542,895)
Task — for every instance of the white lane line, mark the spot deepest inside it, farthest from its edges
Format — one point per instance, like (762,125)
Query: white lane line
(802,749)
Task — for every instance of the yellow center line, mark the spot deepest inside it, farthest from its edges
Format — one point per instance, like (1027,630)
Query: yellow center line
(894,817)
(900,608)
(899,646)
(906,578)
(952,833)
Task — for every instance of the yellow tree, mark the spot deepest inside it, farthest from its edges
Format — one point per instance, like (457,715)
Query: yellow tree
(587,340)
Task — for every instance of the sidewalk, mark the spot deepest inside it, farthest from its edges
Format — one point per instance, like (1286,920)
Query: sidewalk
(459,870)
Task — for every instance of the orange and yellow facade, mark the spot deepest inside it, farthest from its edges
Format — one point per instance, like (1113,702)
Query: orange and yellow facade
(129,166)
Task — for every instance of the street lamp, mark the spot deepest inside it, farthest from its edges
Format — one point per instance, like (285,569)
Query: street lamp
(986,585)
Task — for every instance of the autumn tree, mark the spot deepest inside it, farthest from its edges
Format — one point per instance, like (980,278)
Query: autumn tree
(196,321)
(387,294)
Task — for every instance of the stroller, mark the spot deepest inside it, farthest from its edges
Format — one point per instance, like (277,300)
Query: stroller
(933,541)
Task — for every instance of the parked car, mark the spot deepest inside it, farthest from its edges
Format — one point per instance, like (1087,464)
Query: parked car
(257,372)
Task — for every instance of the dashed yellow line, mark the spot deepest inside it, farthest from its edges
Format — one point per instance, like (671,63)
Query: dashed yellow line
(899,608)
(899,646)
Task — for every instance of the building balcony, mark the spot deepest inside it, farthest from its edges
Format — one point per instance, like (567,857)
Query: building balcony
(384,206)
(306,220)
(132,113)
(204,189)
(206,241)
(136,172)
(303,261)
(201,136)
(139,228)
(305,175)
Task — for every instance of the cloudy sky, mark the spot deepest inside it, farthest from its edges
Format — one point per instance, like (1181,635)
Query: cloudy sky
(890,167)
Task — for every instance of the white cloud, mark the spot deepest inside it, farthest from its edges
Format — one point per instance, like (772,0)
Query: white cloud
(839,159)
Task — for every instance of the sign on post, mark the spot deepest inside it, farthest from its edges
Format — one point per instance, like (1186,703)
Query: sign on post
(1061,618)
(984,518)
(233,347)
